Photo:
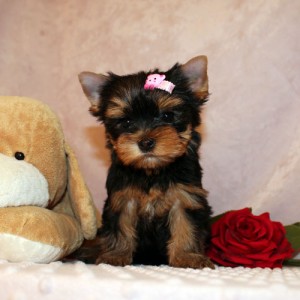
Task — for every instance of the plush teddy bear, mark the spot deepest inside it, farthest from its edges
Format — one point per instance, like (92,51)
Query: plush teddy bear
(46,210)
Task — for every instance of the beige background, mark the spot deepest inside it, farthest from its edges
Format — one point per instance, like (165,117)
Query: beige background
(251,147)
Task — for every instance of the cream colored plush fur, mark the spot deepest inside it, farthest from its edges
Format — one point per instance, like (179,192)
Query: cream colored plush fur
(46,209)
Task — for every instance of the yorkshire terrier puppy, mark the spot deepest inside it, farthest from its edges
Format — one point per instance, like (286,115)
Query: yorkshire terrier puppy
(156,211)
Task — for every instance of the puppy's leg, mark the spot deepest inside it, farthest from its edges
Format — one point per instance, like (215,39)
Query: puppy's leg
(186,245)
(117,238)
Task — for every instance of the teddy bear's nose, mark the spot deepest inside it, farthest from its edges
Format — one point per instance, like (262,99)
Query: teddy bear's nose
(146,144)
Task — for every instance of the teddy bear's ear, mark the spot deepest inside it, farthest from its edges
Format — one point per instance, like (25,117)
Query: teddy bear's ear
(196,72)
(92,85)
(81,199)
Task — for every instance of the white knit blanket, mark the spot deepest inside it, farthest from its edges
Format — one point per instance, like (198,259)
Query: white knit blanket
(79,281)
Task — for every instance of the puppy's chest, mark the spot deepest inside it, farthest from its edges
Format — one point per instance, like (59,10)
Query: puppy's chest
(135,203)
(156,202)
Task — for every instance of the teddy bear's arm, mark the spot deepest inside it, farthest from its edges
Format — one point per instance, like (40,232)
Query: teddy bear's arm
(39,234)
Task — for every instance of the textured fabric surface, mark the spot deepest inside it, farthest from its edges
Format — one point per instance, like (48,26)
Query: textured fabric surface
(251,145)
(80,281)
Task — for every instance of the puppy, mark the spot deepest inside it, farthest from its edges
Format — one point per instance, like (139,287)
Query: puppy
(156,211)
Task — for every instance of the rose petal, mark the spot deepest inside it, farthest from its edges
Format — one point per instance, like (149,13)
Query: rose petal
(237,259)
(264,264)
(233,241)
(216,243)
(267,223)
(231,217)
(262,245)
(218,258)
(279,232)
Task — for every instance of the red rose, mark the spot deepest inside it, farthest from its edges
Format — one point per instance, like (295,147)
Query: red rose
(241,239)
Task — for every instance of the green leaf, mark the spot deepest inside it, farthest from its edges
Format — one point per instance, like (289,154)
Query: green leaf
(293,236)
(292,262)
(216,218)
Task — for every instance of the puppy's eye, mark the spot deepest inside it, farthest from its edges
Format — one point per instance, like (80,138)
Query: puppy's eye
(126,123)
(19,156)
(168,116)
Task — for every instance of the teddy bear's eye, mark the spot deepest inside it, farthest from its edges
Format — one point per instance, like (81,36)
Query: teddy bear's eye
(19,156)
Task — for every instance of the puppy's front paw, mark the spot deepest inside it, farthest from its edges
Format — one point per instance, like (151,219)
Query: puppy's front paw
(191,260)
(115,260)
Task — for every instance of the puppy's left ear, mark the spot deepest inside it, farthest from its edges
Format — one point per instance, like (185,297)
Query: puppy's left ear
(92,85)
(196,72)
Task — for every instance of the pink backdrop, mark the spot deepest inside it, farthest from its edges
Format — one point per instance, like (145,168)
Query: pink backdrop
(251,146)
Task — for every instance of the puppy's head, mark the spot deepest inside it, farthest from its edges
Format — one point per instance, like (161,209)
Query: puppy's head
(149,126)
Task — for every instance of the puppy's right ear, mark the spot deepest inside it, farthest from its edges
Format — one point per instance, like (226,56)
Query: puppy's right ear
(196,72)
(92,85)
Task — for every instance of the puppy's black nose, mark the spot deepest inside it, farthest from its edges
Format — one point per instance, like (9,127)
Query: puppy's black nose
(146,144)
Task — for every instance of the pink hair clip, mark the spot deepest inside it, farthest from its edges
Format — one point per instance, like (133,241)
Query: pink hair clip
(157,81)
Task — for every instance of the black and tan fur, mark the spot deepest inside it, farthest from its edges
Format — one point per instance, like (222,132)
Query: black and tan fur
(156,211)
